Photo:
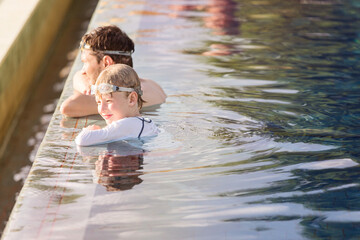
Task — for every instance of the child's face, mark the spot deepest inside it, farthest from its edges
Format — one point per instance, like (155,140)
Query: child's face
(113,107)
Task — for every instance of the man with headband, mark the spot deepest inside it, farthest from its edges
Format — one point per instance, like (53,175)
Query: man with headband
(102,47)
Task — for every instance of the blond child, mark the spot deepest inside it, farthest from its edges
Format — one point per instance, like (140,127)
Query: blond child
(118,96)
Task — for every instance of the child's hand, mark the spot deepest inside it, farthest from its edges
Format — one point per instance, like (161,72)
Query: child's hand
(93,127)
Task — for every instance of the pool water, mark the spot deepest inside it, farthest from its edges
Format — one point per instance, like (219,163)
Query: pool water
(259,134)
(264,100)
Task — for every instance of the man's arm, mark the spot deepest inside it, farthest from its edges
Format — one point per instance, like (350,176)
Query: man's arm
(153,94)
(79,105)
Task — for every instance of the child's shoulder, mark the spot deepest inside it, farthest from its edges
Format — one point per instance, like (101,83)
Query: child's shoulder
(130,120)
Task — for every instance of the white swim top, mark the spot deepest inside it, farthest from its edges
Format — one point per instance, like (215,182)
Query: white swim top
(131,127)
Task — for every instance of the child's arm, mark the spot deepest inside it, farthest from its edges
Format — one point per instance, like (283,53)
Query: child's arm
(93,127)
(93,134)
(89,136)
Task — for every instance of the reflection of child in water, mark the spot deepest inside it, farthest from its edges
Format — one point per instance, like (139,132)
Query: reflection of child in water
(118,95)
(118,172)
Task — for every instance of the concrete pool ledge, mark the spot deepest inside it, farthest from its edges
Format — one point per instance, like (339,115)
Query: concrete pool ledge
(58,194)
(28,28)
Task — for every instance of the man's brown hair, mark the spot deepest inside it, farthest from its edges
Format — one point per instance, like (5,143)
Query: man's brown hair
(110,38)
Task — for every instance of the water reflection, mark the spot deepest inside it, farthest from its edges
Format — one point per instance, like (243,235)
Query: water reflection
(116,166)
(118,172)
(219,15)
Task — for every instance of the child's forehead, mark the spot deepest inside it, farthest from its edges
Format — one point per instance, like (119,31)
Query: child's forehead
(111,95)
(101,96)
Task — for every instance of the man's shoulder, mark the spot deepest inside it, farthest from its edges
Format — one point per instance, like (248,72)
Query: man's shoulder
(149,83)
(144,80)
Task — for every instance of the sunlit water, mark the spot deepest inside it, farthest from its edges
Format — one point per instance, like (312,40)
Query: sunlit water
(259,132)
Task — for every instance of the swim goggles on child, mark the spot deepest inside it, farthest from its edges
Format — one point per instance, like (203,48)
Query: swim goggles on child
(85,46)
(104,88)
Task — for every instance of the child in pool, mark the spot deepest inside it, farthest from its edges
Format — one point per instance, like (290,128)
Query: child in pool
(118,96)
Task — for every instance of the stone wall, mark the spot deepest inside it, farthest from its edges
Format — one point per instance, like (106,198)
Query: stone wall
(28,29)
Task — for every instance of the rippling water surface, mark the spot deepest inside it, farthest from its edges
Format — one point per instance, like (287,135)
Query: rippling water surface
(260,131)
(264,103)
(262,113)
